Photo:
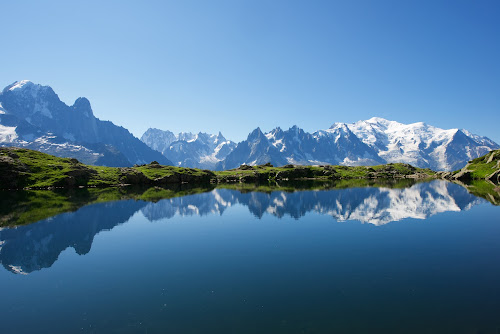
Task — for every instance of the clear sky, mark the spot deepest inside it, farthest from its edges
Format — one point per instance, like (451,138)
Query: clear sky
(231,66)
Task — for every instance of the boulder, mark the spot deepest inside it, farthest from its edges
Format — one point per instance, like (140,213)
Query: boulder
(168,179)
(463,175)
(245,167)
(133,176)
(13,173)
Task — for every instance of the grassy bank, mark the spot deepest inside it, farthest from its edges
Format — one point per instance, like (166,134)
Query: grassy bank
(28,169)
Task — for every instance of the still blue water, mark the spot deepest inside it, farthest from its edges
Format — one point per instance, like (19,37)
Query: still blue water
(424,259)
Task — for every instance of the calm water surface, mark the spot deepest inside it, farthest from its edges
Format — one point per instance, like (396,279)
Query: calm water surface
(422,259)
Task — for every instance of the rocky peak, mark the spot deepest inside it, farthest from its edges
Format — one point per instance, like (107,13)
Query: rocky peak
(23,84)
(28,89)
(276,133)
(82,105)
(220,137)
(255,135)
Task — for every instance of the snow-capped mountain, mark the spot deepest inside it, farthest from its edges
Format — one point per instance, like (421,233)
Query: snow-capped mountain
(295,146)
(201,150)
(33,116)
(256,150)
(375,141)
(420,144)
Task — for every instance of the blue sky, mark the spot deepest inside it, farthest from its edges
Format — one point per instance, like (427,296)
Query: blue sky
(231,66)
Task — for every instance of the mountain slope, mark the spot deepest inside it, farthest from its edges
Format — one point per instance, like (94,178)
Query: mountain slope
(336,146)
(420,144)
(33,116)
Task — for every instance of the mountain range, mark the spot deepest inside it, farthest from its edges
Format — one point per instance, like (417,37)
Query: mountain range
(33,116)
(371,142)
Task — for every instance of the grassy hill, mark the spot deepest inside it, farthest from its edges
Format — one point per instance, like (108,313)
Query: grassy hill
(486,167)
(23,168)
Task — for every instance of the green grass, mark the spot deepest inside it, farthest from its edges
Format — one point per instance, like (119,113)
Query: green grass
(105,176)
(155,194)
(159,171)
(44,171)
(480,167)
(484,189)
(38,170)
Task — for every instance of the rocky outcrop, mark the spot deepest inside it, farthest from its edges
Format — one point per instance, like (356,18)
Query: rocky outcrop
(486,168)
(463,175)
(133,176)
(13,173)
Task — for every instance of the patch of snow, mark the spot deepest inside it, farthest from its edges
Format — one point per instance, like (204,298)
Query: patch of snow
(19,84)
(193,139)
(193,209)
(7,134)
(417,143)
(219,199)
(17,269)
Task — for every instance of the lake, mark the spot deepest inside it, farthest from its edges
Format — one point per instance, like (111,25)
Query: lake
(395,258)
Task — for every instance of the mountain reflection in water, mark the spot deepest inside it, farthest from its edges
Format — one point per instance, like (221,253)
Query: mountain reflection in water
(376,206)
(28,248)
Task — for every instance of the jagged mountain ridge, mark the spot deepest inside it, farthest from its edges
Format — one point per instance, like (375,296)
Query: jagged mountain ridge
(370,142)
(375,141)
(201,150)
(33,116)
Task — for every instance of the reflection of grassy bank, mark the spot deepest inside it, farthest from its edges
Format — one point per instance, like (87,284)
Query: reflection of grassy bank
(154,194)
(484,189)
(267,172)
(28,206)
(298,185)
